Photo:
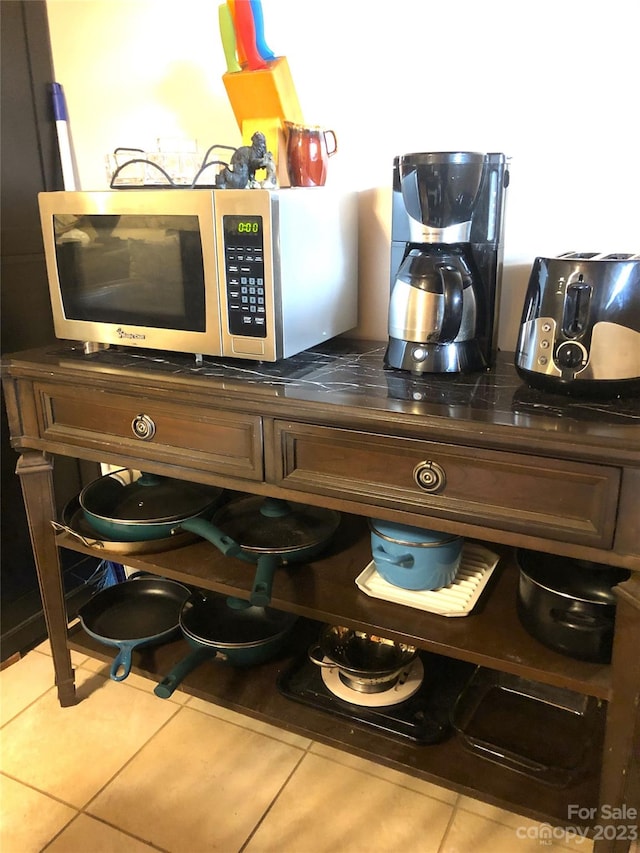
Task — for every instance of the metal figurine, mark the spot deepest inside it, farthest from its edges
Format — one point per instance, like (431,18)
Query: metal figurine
(245,161)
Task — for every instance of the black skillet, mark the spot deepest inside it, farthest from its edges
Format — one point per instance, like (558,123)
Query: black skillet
(135,613)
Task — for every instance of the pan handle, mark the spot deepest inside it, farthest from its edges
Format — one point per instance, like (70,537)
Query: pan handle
(208,530)
(90,543)
(406,561)
(316,655)
(121,666)
(168,684)
(263,582)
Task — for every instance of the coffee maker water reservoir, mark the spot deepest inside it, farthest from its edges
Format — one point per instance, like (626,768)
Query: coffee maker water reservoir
(446,259)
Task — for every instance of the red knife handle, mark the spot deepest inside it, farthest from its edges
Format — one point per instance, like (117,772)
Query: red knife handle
(246,35)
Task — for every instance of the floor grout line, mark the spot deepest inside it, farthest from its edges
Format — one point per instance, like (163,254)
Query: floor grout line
(245,722)
(273,802)
(144,841)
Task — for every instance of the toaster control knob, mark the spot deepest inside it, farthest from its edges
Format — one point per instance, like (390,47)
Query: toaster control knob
(571,355)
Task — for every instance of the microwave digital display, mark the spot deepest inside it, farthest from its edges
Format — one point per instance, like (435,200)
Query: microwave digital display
(134,269)
(244,269)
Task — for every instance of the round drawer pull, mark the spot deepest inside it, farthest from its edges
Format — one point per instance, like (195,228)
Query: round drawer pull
(430,476)
(143,427)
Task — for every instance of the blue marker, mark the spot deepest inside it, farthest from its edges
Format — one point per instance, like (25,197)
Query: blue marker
(64,140)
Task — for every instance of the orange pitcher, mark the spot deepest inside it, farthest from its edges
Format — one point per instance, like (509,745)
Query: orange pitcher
(308,152)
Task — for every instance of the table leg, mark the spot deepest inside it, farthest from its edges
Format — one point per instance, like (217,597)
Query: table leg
(35,470)
(618,822)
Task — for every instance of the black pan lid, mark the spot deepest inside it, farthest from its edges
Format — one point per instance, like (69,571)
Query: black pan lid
(151,499)
(226,622)
(270,525)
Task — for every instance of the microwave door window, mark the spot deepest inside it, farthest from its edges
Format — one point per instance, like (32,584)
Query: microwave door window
(132,269)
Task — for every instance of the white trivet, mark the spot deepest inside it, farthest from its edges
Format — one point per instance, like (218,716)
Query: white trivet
(457,599)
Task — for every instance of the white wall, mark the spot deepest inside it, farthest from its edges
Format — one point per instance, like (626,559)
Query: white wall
(552,83)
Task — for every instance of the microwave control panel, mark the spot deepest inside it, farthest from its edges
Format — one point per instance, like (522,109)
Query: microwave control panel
(244,272)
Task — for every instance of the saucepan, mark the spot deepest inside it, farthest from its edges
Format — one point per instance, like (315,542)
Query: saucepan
(569,605)
(226,629)
(264,531)
(138,612)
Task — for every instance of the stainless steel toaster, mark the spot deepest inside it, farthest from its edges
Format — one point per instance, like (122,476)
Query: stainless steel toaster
(580,328)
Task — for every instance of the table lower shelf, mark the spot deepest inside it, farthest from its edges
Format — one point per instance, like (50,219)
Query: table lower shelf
(325,590)
(253,691)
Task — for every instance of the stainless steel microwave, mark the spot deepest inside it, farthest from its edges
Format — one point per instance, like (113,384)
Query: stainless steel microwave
(253,274)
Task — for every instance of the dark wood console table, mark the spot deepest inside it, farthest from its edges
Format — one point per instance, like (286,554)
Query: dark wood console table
(332,427)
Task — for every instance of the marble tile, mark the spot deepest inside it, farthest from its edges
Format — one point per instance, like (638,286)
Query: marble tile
(247,722)
(133,680)
(88,834)
(327,806)
(77,658)
(28,819)
(201,785)
(23,682)
(344,371)
(524,825)
(71,753)
(495,813)
(386,773)
(469,831)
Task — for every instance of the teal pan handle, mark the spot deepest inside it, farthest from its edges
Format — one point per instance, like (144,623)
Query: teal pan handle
(180,671)
(263,582)
(228,546)
(121,666)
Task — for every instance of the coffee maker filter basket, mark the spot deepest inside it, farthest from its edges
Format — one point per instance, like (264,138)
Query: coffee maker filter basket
(440,189)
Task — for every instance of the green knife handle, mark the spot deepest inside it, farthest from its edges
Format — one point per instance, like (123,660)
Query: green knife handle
(228,37)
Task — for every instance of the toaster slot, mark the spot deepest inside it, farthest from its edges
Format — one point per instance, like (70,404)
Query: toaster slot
(578,256)
(576,308)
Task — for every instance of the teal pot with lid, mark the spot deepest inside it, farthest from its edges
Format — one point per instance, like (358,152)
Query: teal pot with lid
(412,557)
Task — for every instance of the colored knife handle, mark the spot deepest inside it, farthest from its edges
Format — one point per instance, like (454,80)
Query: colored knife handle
(258,24)
(228,37)
(246,35)
(242,59)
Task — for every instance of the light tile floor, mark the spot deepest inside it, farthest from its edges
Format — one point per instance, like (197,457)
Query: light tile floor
(124,771)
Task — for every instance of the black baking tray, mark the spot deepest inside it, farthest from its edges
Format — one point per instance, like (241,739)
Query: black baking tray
(424,718)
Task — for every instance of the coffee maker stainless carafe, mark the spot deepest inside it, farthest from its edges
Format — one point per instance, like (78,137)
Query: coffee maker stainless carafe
(446,259)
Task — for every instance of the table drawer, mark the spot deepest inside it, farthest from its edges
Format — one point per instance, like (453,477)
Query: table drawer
(557,499)
(226,442)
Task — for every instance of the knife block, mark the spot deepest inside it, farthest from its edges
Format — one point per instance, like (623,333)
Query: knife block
(263,100)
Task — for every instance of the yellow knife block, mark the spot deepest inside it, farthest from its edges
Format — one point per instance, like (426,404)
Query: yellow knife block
(263,100)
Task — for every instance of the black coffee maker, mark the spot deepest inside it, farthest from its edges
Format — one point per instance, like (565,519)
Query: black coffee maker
(446,260)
